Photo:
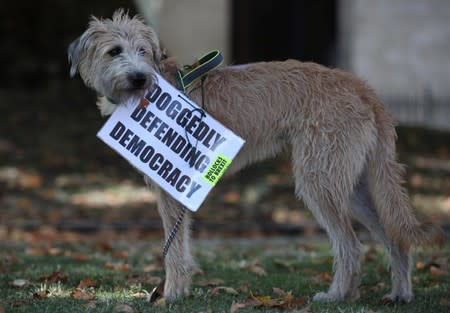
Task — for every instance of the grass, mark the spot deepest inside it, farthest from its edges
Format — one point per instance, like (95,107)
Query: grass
(124,272)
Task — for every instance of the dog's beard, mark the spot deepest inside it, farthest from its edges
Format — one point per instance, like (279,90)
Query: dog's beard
(107,107)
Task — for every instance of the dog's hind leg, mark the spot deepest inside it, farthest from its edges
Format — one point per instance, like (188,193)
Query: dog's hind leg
(364,211)
(346,248)
(179,262)
(326,166)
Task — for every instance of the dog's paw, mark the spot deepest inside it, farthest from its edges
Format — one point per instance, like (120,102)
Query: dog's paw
(176,289)
(397,298)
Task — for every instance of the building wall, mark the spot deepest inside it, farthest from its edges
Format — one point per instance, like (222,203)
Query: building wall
(189,29)
(402,48)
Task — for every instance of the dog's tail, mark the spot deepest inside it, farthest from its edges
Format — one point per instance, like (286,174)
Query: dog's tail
(390,197)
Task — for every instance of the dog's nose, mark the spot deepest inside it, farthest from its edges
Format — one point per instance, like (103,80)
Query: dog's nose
(137,79)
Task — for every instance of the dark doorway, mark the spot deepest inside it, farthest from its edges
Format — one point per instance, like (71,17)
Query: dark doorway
(277,30)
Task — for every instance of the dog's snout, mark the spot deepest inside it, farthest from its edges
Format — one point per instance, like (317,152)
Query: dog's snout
(137,79)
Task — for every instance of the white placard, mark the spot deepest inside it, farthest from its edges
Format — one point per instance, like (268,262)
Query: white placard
(174,142)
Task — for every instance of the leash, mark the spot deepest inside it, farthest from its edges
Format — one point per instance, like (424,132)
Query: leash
(198,70)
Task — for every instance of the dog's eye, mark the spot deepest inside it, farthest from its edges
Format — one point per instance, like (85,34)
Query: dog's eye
(115,51)
(142,51)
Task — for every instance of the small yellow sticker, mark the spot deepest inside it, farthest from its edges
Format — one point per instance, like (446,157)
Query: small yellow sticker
(216,169)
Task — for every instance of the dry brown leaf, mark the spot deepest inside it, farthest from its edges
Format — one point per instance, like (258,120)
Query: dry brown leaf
(81,295)
(257,269)
(278,291)
(104,246)
(160,303)
(81,257)
(227,290)
(436,271)
(41,294)
(54,251)
(123,308)
(20,283)
(420,265)
(122,267)
(90,305)
(327,260)
(231,197)
(121,254)
(2,310)
(86,283)
(243,287)
(54,277)
(444,301)
(235,306)
(380,269)
(211,282)
(287,301)
(151,280)
(285,264)
(322,277)
(140,295)
(152,268)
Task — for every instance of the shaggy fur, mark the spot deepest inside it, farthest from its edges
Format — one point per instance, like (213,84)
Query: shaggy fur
(341,139)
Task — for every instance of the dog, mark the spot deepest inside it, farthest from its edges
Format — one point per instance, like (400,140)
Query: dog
(341,138)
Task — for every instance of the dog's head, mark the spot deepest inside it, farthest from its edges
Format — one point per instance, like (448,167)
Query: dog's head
(116,57)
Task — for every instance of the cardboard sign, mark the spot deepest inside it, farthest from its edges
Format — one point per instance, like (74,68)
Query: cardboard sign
(174,142)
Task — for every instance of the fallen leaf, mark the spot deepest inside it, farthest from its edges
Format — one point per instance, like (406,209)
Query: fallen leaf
(436,271)
(121,254)
(81,295)
(123,308)
(278,291)
(444,302)
(81,257)
(286,301)
(86,283)
(41,294)
(122,267)
(235,306)
(104,246)
(289,265)
(327,260)
(2,310)
(141,295)
(160,303)
(54,251)
(322,277)
(243,287)
(54,277)
(227,290)
(257,269)
(152,268)
(20,283)
(151,280)
(380,269)
(420,265)
(90,305)
(211,282)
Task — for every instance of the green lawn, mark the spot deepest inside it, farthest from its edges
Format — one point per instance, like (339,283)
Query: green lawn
(122,274)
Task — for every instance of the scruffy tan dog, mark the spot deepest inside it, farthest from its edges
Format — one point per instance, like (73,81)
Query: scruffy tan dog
(341,139)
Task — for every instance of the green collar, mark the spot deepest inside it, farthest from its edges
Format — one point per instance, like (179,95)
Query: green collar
(199,69)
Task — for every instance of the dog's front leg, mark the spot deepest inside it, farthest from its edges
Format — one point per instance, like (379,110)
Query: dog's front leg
(179,263)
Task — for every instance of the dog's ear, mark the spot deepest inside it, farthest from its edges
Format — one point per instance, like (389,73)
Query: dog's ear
(74,52)
(78,48)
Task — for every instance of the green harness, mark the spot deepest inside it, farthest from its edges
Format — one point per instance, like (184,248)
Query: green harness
(206,63)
